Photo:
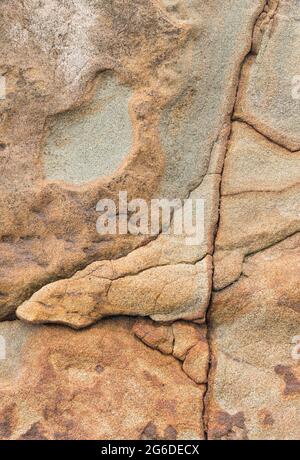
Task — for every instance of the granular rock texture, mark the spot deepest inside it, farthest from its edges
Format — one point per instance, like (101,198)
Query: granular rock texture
(161,99)
(97,383)
(254,377)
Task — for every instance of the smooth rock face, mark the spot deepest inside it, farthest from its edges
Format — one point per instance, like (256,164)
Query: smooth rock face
(195,118)
(253,387)
(254,164)
(161,99)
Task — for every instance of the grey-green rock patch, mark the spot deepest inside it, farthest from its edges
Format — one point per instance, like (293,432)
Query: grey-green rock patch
(92,141)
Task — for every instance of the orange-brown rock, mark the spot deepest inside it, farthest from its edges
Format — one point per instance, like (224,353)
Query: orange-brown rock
(78,79)
(168,100)
(100,383)
(187,342)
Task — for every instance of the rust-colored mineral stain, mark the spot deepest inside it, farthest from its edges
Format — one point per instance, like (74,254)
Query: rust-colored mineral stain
(292,384)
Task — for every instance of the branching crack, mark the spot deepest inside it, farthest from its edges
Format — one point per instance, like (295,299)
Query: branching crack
(261,133)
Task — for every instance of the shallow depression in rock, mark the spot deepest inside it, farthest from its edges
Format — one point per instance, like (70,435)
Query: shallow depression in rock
(92,141)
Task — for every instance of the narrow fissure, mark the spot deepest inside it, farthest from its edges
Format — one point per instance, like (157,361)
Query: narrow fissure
(205,412)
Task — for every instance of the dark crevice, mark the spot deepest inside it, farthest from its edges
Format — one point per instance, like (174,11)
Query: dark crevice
(205,415)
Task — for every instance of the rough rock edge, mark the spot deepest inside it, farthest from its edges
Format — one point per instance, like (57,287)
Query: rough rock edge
(143,334)
(81,267)
(205,256)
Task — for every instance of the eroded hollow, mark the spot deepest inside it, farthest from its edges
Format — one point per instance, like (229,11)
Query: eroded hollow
(93,140)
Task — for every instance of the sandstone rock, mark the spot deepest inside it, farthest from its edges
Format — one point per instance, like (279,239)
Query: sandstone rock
(254,389)
(59,62)
(259,207)
(267,98)
(168,99)
(55,57)
(101,383)
(149,268)
(155,335)
(253,386)
(185,341)
(186,336)
(164,293)
(254,164)
(196,362)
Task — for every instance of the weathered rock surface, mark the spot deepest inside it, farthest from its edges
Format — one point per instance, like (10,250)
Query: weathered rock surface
(167,279)
(254,387)
(167,292)
(55,58)
(265,98)
(186,342)
(260,202)
(101,383)
(162,99)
